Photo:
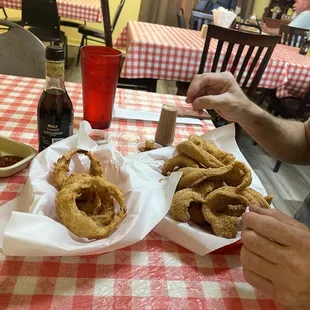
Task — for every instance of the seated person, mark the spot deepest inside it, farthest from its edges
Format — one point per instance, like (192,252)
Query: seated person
(209,5)
(302,20)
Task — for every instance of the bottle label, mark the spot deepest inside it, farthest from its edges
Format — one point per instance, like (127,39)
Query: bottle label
(55,69)
(51,132)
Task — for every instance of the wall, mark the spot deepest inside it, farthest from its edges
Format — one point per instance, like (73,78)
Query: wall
(130,12)
(259,7)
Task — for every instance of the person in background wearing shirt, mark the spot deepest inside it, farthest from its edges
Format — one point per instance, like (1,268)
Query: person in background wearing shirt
(302,20)
(214,4)
(276,248)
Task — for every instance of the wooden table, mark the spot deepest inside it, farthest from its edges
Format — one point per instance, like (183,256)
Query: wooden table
(152,274)
(168,53)
(85,10)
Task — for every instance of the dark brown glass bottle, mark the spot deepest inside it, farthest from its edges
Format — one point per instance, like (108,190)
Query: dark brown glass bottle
(55,110)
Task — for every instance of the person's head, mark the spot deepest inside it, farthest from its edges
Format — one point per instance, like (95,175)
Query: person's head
(301,5)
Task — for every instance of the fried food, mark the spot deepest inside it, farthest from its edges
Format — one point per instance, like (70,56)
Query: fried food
(223,225)
(234,210)
(194,176)
(206,187)
(85,203)
(181,202)
(222,156)
(96,226)
(195,212)
(61,168)
(239,176)
(214,187)
(197,153)
(178,161)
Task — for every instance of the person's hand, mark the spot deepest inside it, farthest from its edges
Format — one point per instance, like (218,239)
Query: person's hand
(276,256)
(264,27)
(219,92)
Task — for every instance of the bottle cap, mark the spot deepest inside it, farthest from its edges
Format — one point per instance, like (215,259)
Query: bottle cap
(54,53)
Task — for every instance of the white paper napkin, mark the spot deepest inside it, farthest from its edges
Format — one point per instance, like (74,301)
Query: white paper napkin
(222,17)
(29,225)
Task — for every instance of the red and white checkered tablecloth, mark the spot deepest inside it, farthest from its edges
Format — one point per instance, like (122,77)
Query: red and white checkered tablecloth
(86,10)
(168,53)
(151,274)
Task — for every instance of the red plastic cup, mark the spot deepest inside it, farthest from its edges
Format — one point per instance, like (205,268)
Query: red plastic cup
(100,70)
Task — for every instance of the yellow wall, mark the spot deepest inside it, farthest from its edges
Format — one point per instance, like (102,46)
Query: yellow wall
(260,6)
(130,12)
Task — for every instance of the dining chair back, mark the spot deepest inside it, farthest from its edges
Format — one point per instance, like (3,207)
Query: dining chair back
(235,49)
(43,19)
(43,15)
(292,36)
(96,35)
(180,18)
(21,53)
(198,18)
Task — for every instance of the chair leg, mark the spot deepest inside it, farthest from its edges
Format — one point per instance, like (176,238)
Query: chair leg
(277,166)
(4,12)
(79,53)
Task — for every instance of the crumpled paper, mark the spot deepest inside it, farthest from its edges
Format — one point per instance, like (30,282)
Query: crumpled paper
(29,224)
(189,235)
(222,17)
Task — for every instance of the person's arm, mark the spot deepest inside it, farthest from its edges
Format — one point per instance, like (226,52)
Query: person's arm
(273,31)
(285,140)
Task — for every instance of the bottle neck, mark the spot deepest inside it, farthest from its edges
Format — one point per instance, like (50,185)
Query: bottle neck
(54,75)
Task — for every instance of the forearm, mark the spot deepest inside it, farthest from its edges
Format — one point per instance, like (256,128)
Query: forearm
(283,139)
(273,31)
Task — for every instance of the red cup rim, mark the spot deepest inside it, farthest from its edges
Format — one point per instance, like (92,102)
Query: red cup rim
(102,50)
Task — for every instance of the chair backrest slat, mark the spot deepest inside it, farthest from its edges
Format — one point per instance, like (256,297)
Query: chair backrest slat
(245,63)
(237,58)
(217,55)
(253,65)
(227,56)
(255,44)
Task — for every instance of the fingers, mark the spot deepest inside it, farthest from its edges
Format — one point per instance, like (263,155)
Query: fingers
(211,102)
(271,251)
(262,284)
(200,84)
(269,227)
(280,216)
(257,264)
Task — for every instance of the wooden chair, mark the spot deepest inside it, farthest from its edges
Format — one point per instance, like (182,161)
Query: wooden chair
(199,18)
(292,36)
(252,51)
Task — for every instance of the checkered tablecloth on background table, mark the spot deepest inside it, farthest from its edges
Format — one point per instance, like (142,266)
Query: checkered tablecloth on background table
(151,274)
(86,10)
(168,53)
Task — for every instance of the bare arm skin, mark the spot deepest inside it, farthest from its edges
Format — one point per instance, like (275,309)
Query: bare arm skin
(285,140)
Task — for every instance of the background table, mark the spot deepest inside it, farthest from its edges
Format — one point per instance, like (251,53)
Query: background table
(168,53)
(151,274)
(86,10)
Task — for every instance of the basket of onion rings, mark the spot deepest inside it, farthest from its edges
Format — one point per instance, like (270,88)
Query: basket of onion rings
(82,198)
